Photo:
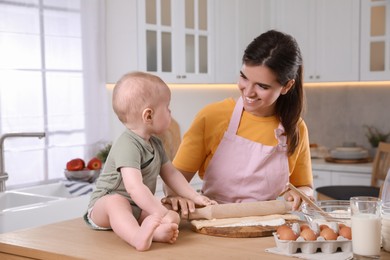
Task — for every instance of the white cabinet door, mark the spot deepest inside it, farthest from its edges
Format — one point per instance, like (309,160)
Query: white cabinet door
(121,34)
(375,40)
(227,60)
(237,23)
(327,32)
(348,178)
(175,39)
(321,178)
(337,40)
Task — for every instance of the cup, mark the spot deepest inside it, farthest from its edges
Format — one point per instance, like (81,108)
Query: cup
(386,226)
(366,227)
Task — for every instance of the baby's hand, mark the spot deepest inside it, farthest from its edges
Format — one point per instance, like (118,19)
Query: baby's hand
(204,201)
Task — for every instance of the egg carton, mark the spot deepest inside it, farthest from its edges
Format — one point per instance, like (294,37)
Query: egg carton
(311,247)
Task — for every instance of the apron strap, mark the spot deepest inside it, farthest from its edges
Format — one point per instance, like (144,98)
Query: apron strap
(236,117)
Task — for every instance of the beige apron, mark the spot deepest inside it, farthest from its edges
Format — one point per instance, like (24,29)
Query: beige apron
(242,170)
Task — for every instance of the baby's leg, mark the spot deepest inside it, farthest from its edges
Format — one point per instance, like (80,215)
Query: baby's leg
(168,231)
(115,211)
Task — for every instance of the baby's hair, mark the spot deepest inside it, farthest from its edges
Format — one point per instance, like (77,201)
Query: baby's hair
(134,92)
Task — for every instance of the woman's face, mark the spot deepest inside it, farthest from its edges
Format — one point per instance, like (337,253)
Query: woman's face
(259,90)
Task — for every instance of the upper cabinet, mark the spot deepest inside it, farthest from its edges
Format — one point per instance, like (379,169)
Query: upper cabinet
(182,41)
(202,41)
(237,23)
(169,38)
(327,32)
(375,40)
(175,39)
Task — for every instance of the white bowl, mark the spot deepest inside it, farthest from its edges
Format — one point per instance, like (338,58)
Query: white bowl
(351,155)
(83,175)
(348,149)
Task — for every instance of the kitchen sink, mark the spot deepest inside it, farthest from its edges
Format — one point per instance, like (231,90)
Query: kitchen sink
(39,205)
(14,200)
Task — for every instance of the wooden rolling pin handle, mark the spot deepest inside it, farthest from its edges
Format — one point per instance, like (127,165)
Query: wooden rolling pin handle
(244,209)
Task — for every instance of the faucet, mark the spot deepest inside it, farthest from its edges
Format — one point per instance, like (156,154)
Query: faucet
(3,174)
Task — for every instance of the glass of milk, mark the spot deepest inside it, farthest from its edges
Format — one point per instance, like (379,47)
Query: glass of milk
(366,227)
(386,225)
(386,213)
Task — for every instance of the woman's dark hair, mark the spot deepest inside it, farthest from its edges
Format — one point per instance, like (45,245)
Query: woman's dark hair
(280,53)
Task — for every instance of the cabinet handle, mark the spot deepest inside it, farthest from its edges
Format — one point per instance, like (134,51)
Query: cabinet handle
(310,77)
(183,76)
(178,76)
(315,176)
(318,76)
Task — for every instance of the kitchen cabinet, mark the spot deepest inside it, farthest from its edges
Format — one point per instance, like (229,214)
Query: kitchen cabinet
(375,40)
(321,178)
(348,178)
(153,36)
(237,23)
(327,174)
(175,39)
(169,38)
(327,32)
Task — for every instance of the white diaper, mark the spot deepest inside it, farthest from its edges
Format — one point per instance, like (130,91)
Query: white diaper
(87,218)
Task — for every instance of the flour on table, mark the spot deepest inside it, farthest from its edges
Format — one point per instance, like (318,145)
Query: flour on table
(268,220)
(244,223)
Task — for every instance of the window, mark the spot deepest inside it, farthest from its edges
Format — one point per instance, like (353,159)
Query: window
(51,80)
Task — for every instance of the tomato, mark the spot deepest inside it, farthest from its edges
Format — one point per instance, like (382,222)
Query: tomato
(94,164)
(75,165)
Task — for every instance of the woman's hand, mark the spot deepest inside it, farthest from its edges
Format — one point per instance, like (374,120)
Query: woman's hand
(296,199)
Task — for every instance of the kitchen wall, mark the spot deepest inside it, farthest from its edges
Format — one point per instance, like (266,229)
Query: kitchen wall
(334,114)
(337,114)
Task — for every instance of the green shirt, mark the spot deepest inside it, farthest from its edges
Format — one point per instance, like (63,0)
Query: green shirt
(130,150)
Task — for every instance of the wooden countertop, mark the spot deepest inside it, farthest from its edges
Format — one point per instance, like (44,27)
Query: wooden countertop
(74,240)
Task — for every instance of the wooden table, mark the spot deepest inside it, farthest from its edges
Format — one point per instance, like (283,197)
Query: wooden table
(74,240)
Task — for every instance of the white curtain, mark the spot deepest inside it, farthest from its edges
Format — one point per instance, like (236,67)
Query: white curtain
(52,80)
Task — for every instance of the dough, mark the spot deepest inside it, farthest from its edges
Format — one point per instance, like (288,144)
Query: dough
(269,220)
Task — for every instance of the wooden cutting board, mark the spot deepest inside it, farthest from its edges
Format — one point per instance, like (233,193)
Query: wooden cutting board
(241,232)
(334,160)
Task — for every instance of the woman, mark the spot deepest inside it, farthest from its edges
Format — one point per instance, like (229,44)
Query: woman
(248,150)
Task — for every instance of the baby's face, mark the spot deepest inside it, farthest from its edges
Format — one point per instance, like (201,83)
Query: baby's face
(162,113)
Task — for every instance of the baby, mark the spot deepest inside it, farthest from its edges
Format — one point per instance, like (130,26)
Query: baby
(124,198)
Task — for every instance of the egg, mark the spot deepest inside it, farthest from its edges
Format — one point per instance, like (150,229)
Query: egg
(304,226)
(346,232)
(286,233)
(341,225)
(308,234)
(323,226)
(328,234)
(334,226)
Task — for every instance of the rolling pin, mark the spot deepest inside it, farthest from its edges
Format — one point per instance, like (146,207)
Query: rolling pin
(244,209)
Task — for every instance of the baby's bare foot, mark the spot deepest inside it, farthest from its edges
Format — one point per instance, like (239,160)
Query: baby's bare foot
(167,233)
(143,239)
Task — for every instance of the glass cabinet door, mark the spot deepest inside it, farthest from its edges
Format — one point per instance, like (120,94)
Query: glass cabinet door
(174,39)
(375,64)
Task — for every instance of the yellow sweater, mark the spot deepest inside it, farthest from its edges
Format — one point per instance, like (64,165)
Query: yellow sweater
(202,139)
